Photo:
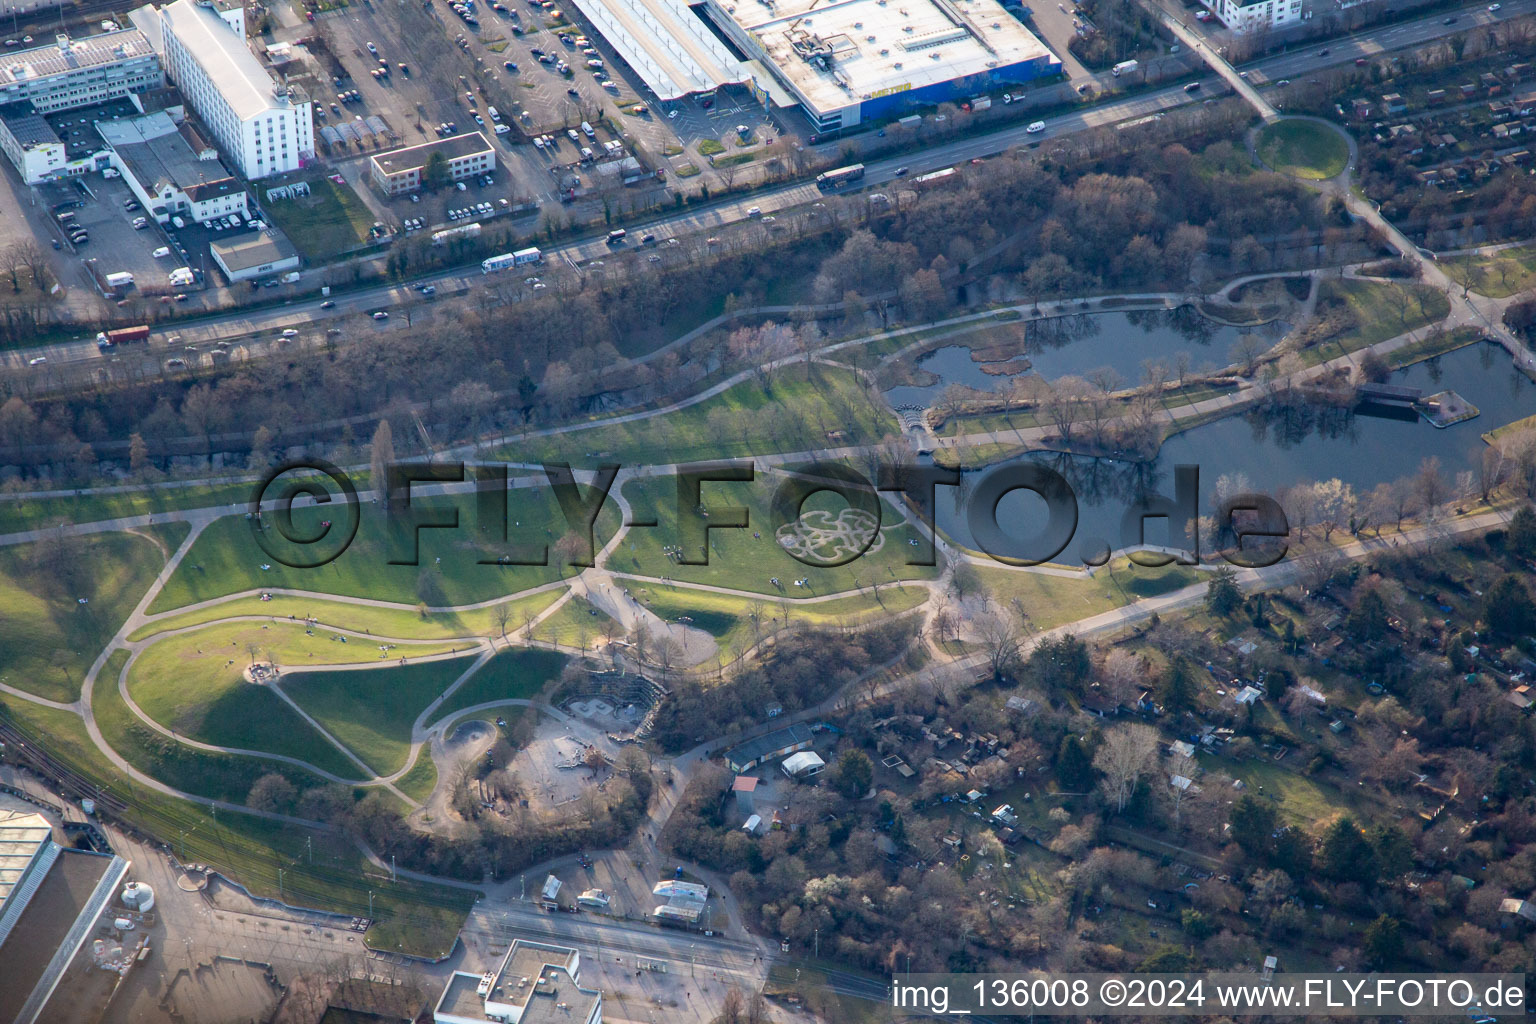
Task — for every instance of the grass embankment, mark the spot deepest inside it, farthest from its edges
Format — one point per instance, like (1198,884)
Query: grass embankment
(193,684)
(1436,344)
(749,558)
(421,780)
(405,623)
(1050,600)
(729,619)
(20,513)
(788,413)
(372,711)
(48,637)
(513,674)
(227,559)
(204,773)
(331,874)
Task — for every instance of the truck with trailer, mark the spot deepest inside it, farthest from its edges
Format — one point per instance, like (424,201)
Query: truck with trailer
(523,257)
(492,264)
(122,336)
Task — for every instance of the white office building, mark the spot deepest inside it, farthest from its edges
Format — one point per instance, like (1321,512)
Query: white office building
(1256,15)
(260,127)
(535,983)
(80,72)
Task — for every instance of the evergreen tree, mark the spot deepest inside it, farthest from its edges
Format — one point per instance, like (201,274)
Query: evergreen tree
(1074,765)
(1344,854)
(1222,595)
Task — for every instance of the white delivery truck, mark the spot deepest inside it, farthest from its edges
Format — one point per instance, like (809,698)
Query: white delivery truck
(121,279)
(1123,67)
(494,263)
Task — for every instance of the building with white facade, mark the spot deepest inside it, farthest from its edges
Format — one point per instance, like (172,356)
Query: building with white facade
(262,128)
(80,72)
(536,983)
(1255,15)
(846,62)
(171,169)
(30,143)
(403,170)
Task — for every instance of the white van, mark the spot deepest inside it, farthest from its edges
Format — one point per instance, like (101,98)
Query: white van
(1036,126)
(588,130)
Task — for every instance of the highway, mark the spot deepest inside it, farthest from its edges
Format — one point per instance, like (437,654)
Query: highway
(70,364)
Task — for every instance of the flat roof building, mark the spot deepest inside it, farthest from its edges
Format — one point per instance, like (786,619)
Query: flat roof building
(171,169)
(80,72)
(30,143)
(848,61)
(1244,16)
(403,170)
(535,983)
(50,898)
(666,44)
(262,127)
(254,254)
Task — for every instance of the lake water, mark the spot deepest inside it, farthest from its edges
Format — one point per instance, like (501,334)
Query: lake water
(1275,452)
(1079,344)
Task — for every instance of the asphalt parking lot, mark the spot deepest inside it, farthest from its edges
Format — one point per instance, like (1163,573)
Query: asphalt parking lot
(115,245)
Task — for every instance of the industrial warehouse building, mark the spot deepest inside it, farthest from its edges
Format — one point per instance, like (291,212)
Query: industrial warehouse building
(171,169)
(51,897)
(254,254)
(402,170)
(859,60)
(843,62)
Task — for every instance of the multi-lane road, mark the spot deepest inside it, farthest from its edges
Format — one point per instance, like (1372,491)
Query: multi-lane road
(70,364)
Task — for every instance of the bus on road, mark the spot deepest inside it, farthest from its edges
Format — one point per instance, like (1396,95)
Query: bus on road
(830,180)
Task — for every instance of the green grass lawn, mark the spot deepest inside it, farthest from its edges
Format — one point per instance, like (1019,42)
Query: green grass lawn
(1497,275)
(48,639)
(788,414)
(1436,344)
(1303,149)
(371,712)
(1051,601)
(514,674)
(226,558)
(326,223)
(406,623)
(419,782)
(1380,310)
(329,874)
(729,619)
(1303,801)
(192,684)
(218,776)
(742,561)
(17,513)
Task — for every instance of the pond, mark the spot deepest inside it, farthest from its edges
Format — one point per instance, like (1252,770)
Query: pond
(1084,342)
(1274,451)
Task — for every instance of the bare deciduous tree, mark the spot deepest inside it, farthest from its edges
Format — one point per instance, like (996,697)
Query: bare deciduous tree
(1126,753)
